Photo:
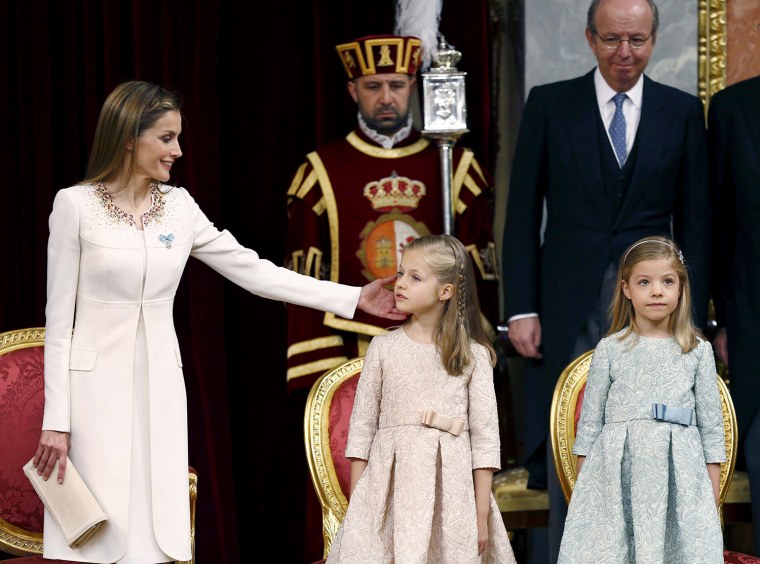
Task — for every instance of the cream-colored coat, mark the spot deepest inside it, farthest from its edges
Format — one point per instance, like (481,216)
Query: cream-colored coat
(103,269)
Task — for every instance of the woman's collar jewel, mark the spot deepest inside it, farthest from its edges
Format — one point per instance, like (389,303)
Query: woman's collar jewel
(167,240)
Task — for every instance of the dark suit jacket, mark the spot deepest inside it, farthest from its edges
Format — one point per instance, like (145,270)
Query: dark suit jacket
(557,159)
(734,133)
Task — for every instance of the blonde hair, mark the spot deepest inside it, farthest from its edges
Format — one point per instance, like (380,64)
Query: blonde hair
(621,310)
(461,320)
(128,111)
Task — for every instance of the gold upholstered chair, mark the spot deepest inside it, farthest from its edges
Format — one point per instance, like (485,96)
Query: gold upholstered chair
(22,397)
(326,421)
(565,414)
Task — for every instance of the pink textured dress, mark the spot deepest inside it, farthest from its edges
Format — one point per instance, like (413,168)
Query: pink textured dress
(415,501)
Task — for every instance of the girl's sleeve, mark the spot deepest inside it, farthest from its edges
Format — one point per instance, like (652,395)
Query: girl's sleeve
(62,279)
(365,414)
(709,415)
(483,414)
(594,400)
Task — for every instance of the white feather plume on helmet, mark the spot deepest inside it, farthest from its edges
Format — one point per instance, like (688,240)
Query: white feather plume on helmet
(420,18)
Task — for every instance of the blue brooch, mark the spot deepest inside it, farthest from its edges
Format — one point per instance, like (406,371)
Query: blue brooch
(167,240)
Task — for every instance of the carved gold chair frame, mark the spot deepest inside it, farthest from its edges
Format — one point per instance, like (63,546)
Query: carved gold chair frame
(318,452)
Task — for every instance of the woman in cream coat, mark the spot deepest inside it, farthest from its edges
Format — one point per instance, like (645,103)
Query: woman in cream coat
(114,391)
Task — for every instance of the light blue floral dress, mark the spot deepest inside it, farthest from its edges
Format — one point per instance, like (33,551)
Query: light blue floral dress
(644,495)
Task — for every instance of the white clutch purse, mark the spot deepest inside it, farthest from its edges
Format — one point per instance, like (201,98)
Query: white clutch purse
(71,504)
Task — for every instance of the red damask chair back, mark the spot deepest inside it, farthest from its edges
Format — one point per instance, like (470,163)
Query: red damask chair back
(22,400)
(326,420)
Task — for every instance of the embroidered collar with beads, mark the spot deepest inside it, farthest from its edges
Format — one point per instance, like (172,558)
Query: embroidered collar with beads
(154,212)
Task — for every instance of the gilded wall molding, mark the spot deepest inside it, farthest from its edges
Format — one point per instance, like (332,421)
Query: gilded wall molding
(711,55)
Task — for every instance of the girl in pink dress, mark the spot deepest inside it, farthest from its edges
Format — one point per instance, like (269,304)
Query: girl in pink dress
(423,438)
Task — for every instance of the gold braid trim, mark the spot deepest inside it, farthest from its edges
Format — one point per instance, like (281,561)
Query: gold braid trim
(475,165)
(313,263)
(297,179)
(332,320)
(307,185)
(315,345)
(318,366)
(328,195)
(477,259)
(382,153)
(460,174)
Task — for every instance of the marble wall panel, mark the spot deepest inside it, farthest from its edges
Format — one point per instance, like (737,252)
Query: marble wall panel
(556,47)
(742,40)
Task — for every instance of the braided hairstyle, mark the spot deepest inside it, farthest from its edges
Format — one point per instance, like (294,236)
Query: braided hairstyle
(461,322)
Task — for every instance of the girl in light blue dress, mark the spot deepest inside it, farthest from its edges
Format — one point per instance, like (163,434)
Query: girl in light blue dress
(650,436)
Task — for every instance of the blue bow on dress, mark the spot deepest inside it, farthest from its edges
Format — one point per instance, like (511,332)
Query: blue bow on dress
(670,414)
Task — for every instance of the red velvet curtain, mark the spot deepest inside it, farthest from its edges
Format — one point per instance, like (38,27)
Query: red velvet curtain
(262,86)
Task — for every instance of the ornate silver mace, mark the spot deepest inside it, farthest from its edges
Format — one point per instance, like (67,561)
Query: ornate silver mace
(445,111)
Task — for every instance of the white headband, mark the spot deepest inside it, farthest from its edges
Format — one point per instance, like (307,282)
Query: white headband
(678,252)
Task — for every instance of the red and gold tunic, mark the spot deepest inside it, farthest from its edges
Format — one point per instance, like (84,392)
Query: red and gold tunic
(353,206)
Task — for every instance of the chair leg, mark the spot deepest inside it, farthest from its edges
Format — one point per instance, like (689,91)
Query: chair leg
(193,491)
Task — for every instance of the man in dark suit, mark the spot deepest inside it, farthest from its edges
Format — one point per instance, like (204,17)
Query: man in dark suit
(734,140)
(601,171)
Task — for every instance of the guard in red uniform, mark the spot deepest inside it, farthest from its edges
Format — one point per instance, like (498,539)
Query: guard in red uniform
(356,202)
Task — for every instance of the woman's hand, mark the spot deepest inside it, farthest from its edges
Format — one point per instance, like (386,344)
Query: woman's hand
(54,447)
(377,300)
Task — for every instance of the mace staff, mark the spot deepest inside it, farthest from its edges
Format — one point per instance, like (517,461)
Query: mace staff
(445,117)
